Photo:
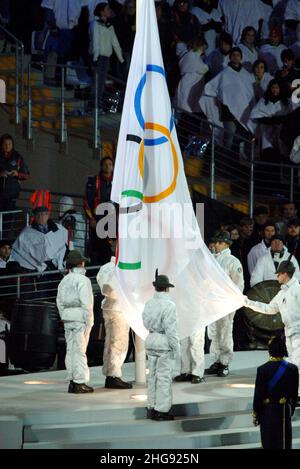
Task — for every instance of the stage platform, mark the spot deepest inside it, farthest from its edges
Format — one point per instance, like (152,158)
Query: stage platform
(37,412)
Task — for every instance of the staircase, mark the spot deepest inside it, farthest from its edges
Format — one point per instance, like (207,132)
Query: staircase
(46,107)
(232,429)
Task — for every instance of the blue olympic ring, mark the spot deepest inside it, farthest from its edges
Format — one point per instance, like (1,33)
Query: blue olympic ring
(137,106)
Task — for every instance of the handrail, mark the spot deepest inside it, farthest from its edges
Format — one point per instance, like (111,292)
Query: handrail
(224,163)
(19,101)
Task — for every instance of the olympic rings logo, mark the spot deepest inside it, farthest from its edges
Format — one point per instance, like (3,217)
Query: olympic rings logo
(155,141)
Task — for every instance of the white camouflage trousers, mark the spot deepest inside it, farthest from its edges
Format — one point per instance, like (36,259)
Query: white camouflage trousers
(77,338)
(116,343)
(160,380)
(220,334)
(192,354)
(293,348)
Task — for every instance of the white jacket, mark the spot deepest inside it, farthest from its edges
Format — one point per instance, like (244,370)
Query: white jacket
(255,253)
(287,303)
(104,41)
(66,12)
(159,317)
(75,299)
(232,266)
(107,282)
(33,248)
(265,267)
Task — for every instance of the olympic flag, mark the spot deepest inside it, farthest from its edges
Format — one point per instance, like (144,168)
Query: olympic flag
(157,225)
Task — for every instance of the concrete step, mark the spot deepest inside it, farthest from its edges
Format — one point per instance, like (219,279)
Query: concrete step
(210,431)
(133,428)
(206,439)
(175,441)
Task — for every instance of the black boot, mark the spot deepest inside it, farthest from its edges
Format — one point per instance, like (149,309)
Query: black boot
(71,386)
(159,416)
(213,369)
(223,371)
(81,388)
(116,383)
(150,413)
(182,378)
(196,379)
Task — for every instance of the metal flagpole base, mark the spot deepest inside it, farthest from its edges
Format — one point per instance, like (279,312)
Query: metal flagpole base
(140,361)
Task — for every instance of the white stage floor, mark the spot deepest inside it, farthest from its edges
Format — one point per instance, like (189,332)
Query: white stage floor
(37,412)
(47,391)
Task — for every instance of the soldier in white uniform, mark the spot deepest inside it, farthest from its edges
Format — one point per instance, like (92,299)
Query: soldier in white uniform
(220,332)
(116,328)
(75,301)
(162,347)
(287,303)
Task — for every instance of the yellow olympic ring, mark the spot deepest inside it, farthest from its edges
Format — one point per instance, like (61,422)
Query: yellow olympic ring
(162,195)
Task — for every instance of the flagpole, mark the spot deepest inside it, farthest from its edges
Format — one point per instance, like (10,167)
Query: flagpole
(140,353)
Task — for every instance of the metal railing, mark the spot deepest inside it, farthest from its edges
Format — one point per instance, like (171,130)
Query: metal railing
(86,106)
(223,164)
(250,179)
(38,287)
(19,72)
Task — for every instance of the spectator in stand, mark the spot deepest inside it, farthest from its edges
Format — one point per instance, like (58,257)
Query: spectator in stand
(42,245)
(265,119)
(288,212)
(209,18)
(73,222)
(234,231)
(238,14)
(185,26)
(287,74)
(218,59)
(271,52)
(62,17)
(295,47)
(293,237)
(192,70)
(5,252)
(266,265)
(260,215)
(98,190)
(262,78)
(125,28)
(233,81)
(245,241)
(166,38)
(292,19)
(104,42)
(248,48)
(12,170)
(261,248)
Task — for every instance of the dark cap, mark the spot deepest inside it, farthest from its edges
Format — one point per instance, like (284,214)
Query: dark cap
(223,236)
(285,267)
(75,257)
(277,236)
(162,281)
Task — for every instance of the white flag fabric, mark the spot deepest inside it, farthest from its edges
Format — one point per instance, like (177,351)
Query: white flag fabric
(157,225)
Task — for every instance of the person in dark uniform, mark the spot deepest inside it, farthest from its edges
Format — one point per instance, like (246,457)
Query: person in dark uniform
(275,397)
(98,190)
